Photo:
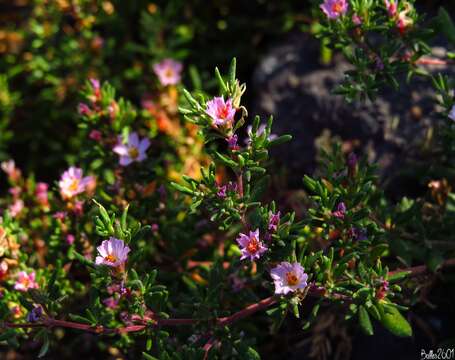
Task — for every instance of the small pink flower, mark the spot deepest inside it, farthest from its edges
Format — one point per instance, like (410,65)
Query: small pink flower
(26,281)
(111,302)
(16,208)
(134,150)
(340,212)
(404,21)
(333,9)
(41,187)
(288,277)
(3,269)
(168,71)
(222,191)
(78,208)
(41,194)
(95,84)
(9,167)
(112,252)
(232,142)
(452,113)
(73,183)
(221,112)
(95,135)
(391,7)
(274,221)
(356,19)
(15,191)
(60,215)
(83,109)
(251,245)
(70,239)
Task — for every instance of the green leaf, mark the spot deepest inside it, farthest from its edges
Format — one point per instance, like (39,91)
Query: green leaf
(80,319)
(182,188)
(220,80)
(447,26)
(45,347)
(232,71)
(393,321)
(365,322)
(82,259)
(252,354)
(231,163)
(148,357)
(280,140)
(398,276)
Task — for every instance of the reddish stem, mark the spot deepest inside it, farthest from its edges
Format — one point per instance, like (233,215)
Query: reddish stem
(223,321)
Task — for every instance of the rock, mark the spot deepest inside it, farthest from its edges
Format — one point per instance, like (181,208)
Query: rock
(292,85)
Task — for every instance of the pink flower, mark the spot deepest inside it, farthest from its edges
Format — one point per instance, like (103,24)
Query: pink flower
(222,191)
(95,135)
(112,252)
(78,208)
(9,167)
(25,281)
(41,194)
(41,187)
(83,109)
(404,21)
(3,269)
(274,220)
(251,245)
(452,113)
(333,9)
(391,7)
(288,277)
(168,71)
(134,150)
(16,208)
(340,212)
(73,183)
(70,239)
(221,112)
(111,302)
(15,191)
(60,215)
(356,19)
(232,142)
(95,84)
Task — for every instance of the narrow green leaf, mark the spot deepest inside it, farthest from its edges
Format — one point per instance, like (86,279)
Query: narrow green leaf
(365,322)
(393,321)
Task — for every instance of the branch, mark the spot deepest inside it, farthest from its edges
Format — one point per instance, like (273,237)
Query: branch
(221,321)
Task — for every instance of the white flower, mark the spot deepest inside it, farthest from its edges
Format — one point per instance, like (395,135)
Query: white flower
(112,252)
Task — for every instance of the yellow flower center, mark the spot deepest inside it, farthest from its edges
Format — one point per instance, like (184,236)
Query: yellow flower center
(253,246)
(74,185)
(223,112)
(336,7)
(133,152)
(169,72)
(110,258)
(291,278)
